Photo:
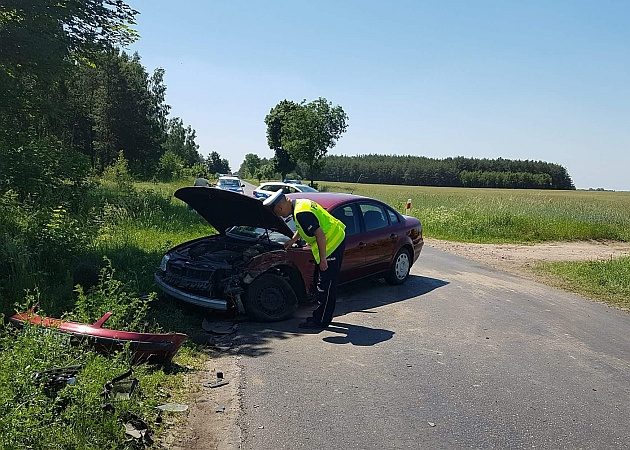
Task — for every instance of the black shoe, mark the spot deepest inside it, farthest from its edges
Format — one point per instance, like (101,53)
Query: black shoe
(311,324)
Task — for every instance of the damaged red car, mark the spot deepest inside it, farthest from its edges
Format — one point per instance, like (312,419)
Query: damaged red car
(246,268)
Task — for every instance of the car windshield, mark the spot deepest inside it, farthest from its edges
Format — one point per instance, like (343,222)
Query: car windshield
(305,188)
(248,233)
(228,182)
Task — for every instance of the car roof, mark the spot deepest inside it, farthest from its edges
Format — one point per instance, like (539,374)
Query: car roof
(277,183)
(328,200)
(228,178)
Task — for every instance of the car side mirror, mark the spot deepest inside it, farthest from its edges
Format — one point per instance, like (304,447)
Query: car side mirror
(243,185)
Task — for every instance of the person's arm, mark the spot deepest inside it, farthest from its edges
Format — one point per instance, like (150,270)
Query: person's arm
(293,240)
(320,237)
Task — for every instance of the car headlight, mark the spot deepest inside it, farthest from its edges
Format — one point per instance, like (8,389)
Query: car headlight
(165,260)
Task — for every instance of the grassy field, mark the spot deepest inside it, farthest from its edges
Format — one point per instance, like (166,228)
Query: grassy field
(507,215)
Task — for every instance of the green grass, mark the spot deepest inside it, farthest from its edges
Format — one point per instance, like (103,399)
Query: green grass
(507,215)
(133,229)
(608,280)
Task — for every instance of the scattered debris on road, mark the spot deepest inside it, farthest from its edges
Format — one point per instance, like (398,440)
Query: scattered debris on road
(220,381)
(431,424)
(173,407)
(218,327)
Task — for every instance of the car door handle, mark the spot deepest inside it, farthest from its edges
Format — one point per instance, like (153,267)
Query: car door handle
(362,244)
(393,236)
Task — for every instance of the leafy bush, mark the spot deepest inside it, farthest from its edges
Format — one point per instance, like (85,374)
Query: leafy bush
(195,170)
(42,170)
(170,166)
(118,173)
(58,238)
(129,310)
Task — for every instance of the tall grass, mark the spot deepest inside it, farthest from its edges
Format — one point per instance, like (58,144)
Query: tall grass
(605,280)
(507,215)
(46,250)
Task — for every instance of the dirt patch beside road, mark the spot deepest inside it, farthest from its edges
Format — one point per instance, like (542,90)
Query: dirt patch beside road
(211,421)
(519,258)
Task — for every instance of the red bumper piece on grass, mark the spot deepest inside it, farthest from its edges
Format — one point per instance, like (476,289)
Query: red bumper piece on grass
(145,347)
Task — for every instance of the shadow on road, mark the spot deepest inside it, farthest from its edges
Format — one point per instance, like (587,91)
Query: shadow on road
(357,334)
(254,339)
(364,295)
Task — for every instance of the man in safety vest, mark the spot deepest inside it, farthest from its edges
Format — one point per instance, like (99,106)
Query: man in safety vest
(327,238)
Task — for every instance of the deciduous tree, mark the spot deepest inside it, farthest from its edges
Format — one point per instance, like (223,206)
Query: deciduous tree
(276,120)
(310,130)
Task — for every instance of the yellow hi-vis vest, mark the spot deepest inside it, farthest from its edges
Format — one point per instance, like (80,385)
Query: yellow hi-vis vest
(333,228)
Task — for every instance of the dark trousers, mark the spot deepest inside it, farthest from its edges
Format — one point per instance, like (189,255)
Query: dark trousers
(327,287)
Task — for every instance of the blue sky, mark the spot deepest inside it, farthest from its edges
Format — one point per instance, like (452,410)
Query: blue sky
(542,80)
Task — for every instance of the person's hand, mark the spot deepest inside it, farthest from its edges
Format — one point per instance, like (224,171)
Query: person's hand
(323,265)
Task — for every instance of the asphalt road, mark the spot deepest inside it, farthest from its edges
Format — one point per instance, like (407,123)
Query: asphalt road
(459,356)
(249,188)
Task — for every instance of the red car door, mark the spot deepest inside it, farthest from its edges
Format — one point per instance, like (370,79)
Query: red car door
(353,258)
(380,238)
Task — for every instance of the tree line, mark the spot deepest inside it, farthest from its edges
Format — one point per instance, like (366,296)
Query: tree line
(72,103)
(459,171)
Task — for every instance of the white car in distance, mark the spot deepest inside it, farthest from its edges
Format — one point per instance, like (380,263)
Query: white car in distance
(266,189)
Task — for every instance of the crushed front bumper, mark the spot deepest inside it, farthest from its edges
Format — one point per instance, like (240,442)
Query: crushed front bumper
(212,303)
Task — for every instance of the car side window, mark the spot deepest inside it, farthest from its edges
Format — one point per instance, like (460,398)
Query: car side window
(393,217)
(347,215)
(288,189)
(373,216)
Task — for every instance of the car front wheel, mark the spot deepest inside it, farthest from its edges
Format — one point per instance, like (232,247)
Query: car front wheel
(270,298)
(399,271)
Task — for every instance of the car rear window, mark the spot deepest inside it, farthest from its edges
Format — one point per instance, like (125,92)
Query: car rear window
(393,217)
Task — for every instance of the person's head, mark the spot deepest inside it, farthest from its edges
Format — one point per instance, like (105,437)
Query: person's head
(279,204)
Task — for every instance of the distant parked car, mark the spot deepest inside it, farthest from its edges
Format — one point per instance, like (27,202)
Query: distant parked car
(293,181)
(246,267)
(233,184)
(266,189)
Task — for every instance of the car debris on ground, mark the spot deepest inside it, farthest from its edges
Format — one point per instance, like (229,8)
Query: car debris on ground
(173,407)
(55,379)
(121,387)
(145,347)
(218,382)
(218,327)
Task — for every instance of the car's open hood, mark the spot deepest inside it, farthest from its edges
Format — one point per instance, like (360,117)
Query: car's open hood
(225,209)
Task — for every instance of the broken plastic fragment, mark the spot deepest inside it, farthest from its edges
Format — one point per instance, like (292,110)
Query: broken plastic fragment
(138,429)
(216,384)
(173,407)
(218,327)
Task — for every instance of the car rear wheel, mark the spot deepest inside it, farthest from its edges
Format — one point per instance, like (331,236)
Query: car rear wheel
(270,298)
(399,271)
